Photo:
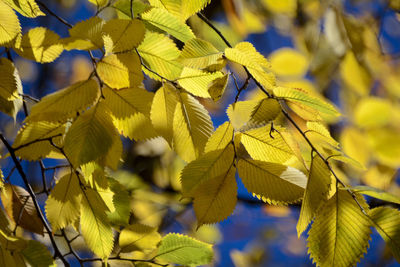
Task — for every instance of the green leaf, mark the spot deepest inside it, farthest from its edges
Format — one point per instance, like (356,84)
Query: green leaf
(37,254)
(340,232)
(316,193)
(121,201)
(183,250)
(64,202)
(28,145)
(130,111)
(197,82)
(211,164)
(167,22)
(299,96)
(65,103)
(120,70)
(245,54)
(215,198)
(200,54)
(86,35)
(220,138)
(90,136)
(121,35)
(387,223)
(274,183)
(261,146)
(162,110)
(41,45)
(192,126)
(27,8)
(376,193)
(138,237)
(160,54)
(95,227)
(9,24)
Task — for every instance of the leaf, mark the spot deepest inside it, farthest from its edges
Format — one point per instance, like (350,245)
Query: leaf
(37,254)
(130,111)
(90,136)
(160,54)
(192,126)
(10,83)
(162,110)
(9,24)
(41,45)
(65,103)
(197,82)
(245,54)
(181,8)
(340,232)
(299,96)
(200,54)
(261,146)
(274,183)
(220,138)
(376,193)
(239,113)
(123,8)
(373,112)
(11,108)
(31,143)
(265,111)
(215,198)
(98,3)
(20,208)
(387,222)
(138,237)
(217,87)
(318,132)
(354,75)
(316,193)
(95,227)
(288,62)
(211,164)
(123,35)
(121,70)
(121,201)
(27,8)
(86,35)
(183,250)
(167,22)
(64,202)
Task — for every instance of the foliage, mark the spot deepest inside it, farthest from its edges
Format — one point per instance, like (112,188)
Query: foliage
(276,141)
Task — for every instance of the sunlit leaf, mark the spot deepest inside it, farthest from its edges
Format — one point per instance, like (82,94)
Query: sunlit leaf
(200,54)
(181,8)
(85,35)
(287,62)
(220,138)
(197,82)
(27,8)
(376,193)
(138,237)
(9,24)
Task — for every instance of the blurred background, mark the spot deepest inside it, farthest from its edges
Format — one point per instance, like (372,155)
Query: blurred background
(345,50)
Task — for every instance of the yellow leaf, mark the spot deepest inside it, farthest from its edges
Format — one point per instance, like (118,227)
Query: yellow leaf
(217,87)
(27,8)
(265,111)
(130,111)
(90,136)
(261,146)
(220,138)
(98,3)
(161,55)
(215,199)
(288,63)
(66,103)
(139,237)
(64,202)
(373,112)
(353,142)
(86,35)
(124,34)
(201,54)
(9,24)
(340,232)
(354,75)
(239,113)
(181,8)
(211,164)
(162,110)
(41,45)
(192,126)
(121,70)
(197,82)
(317,132)
(274,183)
(95,227)
(10,83)
(245,54)
(167,22)
(31,143)
(316,193)
(287,7)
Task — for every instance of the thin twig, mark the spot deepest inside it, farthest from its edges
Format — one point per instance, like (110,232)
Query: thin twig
(63,21)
